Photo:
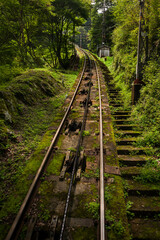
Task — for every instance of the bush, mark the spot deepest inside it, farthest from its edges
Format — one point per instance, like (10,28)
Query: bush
(93,209)
(7,73)
(3,136)
(147,111)
(150,173)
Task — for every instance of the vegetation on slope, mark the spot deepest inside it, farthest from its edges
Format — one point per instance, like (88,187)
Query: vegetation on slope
(39,32)
(125,38)
(35,109)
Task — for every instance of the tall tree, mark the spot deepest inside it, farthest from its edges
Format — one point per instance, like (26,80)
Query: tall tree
(125,35)
(66,15)
(28,27)
(102,24)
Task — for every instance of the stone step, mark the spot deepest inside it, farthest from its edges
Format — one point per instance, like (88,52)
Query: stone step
(125,126)
(125,141)
(145,205)
(122,113)
(146,229)
(135,185)
(115,98)
(115,102)
(113,91)
(114,95)
(130,133)
(129,172)
(116,105)
(111,85)
(138,160)
(129,149)
(121,121)
(121,117)
(136,188)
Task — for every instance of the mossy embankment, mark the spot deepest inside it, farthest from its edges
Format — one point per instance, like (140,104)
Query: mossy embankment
(25,93)
(31,109)
(146,111)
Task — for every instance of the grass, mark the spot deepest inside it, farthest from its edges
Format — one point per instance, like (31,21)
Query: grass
(93,209)
(32,132)
(55,164)
(86,133)
(150,173)
(82,233)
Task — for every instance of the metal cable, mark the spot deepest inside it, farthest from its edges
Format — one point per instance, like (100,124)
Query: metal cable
(75,161)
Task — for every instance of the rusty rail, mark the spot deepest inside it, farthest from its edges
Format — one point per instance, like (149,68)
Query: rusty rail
(17,222)
(75,160)
(102,207)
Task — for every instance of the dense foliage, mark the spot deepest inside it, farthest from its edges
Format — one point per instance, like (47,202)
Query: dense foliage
(36,32)
(102,23)
(125,40)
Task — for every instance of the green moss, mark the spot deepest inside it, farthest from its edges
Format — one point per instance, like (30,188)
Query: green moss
(118,225)
(90,159)
(29,104)
(55,164)
(81,210)
(12,205)
(111,160)
(3,136)
(94,116)
(87,203)
(84,233)
(93,209)
(60,140)
(86,133)
(150,173)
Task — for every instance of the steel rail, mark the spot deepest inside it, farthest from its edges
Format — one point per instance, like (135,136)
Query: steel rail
(102,205)
(12,232)
(102,208)
(75,160)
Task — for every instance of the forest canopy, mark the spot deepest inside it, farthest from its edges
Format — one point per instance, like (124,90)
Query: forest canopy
(33,32)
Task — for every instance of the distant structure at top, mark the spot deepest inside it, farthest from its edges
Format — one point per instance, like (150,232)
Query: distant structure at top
(103,51)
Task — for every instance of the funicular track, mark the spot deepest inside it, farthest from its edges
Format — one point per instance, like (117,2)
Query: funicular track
(74,163)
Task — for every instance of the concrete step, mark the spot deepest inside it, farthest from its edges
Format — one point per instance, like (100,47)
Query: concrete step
(146,229)
(145,205)
(113,91)
(129,172)
(125,141)
(116,105)
(126,126)
(122,113)
(138,160)
(129,133)
(115,102)
(129,149)
(135,188)
(122,121)
(120,117)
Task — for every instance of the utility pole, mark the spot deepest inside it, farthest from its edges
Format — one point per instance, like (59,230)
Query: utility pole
(137,84)
(138,68)
(103,24)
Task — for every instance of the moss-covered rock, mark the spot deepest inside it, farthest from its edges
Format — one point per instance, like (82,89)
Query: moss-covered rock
(26,89)
(3,136)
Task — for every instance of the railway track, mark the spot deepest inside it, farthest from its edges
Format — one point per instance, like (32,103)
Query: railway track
(73,149)
(86,184)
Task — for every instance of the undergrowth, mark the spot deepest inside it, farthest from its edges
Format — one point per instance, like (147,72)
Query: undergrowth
(150,173)
(146,112)
(24,142)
